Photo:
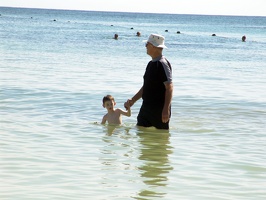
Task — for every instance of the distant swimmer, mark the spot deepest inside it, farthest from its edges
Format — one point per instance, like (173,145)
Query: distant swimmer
(214,34)
(244,38)
(138,34)
(116,36)
(178,32)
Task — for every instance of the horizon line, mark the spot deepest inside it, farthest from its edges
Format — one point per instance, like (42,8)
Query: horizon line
(68,9)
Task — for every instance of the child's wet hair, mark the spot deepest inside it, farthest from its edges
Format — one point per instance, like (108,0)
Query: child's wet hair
(108,98)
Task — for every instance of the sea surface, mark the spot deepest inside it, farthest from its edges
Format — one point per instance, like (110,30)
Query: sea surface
(55,68)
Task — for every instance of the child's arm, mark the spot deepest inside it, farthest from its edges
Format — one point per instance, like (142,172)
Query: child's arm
(104,119)
(128,112)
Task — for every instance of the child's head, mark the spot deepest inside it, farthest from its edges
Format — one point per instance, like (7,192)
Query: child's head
(108,102)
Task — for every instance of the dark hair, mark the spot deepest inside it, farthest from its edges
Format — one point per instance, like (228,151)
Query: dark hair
(108,98)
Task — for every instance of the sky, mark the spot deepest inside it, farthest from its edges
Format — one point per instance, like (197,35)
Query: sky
(208,7)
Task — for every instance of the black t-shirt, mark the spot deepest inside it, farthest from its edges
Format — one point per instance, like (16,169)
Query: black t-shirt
(158,71)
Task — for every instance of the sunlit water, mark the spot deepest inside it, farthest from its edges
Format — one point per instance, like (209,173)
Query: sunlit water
(55,67)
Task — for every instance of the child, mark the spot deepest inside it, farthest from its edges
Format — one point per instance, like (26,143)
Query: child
(113,116)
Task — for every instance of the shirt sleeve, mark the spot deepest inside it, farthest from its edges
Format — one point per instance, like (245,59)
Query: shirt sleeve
(167,69)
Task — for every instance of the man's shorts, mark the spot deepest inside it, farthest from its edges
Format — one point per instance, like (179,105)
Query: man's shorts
(149,116)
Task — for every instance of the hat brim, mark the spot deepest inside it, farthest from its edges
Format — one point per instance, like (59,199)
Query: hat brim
(159,46)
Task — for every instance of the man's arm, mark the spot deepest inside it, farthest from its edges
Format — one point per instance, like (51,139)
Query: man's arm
(135,98)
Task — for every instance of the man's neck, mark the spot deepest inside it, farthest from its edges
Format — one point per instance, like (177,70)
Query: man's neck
(156,55)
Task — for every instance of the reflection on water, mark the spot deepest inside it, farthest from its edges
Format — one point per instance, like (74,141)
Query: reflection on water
(111,129)
(155,149)
(137,160)
(118,161)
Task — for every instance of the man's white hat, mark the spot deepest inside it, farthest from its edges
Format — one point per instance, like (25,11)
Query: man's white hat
(157,40)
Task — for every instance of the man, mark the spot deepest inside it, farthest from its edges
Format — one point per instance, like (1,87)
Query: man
(157,89)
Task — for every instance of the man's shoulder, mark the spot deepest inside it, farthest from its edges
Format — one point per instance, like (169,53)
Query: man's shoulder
(164,60)
(165,63)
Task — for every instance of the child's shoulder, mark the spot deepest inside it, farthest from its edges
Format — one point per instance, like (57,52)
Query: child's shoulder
(106,115)
(118,110)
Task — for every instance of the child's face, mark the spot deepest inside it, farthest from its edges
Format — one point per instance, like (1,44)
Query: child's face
(109,105)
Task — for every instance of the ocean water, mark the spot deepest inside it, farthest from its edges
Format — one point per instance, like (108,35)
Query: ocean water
(55,67)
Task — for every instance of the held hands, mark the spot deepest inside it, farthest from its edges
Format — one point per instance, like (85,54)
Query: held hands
(128,104)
